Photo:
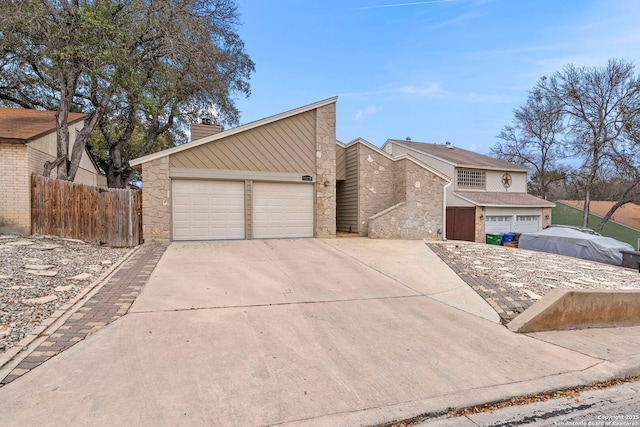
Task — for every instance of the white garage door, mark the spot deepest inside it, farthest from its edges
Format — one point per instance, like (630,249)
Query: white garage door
(282,210)
(208,210)
(527,223)
(498,224)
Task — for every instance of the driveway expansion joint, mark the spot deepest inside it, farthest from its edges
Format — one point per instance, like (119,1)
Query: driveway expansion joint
(108,304)
(224,307)
(377,270)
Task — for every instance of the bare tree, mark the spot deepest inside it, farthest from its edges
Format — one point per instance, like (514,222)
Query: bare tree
(598,104)
(533,141)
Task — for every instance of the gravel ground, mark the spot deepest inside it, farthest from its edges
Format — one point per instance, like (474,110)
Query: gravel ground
(40,274)
(533,274)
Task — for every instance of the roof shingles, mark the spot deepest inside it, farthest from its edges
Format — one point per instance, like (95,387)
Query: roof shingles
(21,125)
(487,198)
(460,157)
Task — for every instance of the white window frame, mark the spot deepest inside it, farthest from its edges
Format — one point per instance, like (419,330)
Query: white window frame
(468,178)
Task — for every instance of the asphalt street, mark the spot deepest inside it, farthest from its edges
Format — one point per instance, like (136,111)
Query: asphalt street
(614,406)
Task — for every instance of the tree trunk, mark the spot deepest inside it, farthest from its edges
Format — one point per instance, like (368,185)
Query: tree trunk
(49,166)
(118,179)
(67,89)
(585,211)
(609,214)
(626,197)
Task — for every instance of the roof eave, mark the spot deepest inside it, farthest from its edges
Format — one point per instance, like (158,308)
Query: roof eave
(498,205)
(505,205)
(393,141)
(13,140)
(510,168)
(409,157)
(514,168)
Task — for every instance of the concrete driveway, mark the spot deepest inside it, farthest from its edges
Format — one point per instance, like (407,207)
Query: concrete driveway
(292,332)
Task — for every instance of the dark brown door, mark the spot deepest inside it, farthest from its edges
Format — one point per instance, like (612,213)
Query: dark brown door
(461,224)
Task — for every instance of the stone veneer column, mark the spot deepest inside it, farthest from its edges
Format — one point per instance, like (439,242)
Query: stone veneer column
(546,217)
(480,225)
(156,200)
(326,171)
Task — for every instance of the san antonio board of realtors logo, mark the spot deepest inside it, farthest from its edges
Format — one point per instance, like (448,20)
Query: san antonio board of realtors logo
(506,180)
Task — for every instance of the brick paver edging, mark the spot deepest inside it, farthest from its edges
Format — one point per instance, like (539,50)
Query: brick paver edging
(108,304)
(507,302)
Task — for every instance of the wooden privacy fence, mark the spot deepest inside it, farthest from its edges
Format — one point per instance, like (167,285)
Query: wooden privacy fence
(109,217)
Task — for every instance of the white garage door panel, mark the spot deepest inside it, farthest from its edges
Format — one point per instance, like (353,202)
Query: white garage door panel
(527,223)
(498,224)
(208,210)
(282,210)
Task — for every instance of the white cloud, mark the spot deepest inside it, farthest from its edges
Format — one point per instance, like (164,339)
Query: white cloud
(430,89)
(367,112)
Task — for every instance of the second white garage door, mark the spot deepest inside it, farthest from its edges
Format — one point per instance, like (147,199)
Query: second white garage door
(282,210)
(527,223)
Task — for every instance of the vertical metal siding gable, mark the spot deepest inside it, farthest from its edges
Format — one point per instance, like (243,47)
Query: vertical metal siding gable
(347,208)
(287,145)
(341,167)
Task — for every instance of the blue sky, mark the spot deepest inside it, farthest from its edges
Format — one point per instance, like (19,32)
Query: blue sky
(435,71)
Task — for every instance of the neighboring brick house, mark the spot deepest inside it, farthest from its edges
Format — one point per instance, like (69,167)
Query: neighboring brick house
(487,195)
(286,176)
(27,141)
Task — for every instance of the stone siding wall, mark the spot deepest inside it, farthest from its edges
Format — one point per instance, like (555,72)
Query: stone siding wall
(480,225)
(156,199)
(375,186)
(326,171)
(546,217)
(424,192)
(419,215)
(399,181)
(15,190)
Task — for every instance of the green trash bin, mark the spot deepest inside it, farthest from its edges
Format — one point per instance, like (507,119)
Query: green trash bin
(494,239)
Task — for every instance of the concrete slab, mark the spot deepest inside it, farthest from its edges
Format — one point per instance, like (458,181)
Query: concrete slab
(603,343)
(262,272)
(209,346)
(296,363)
(413,264)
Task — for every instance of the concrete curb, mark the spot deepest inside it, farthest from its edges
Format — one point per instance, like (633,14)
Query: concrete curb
(13,356)
(563,309)
(441,405)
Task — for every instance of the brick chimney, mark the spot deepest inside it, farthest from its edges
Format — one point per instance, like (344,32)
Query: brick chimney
(201,130)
